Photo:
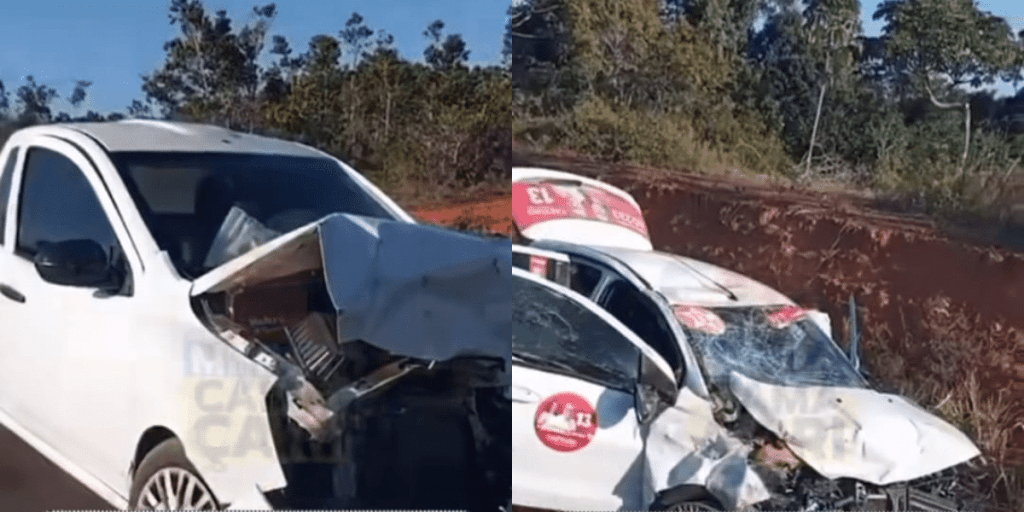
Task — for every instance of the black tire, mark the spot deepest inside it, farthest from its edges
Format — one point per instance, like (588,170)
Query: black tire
(168,460)
(686,498)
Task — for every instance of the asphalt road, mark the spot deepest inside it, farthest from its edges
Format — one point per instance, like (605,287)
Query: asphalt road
(29,482)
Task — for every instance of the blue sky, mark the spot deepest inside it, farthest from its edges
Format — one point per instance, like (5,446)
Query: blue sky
(111,43)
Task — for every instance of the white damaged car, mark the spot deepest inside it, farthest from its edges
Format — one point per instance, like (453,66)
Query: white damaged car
(196,318)
(765,410)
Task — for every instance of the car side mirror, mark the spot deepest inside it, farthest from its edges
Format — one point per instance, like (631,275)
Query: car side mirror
(654,392)
(647,403)
(81,263)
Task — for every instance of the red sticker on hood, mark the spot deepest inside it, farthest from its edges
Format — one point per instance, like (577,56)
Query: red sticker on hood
(786,316)
(699,319)
(566,422)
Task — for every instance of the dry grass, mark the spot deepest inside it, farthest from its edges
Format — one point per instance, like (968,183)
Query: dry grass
(988,420)
(953,370)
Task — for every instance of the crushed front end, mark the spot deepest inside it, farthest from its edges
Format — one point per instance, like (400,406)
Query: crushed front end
(390,342)
(819,437)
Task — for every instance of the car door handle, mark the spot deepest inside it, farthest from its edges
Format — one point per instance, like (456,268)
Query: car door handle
(523,395)
(12,294)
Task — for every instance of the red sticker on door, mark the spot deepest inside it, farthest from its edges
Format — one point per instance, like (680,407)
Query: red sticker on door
(566,422)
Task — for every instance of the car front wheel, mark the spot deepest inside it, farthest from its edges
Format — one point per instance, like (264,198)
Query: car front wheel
(166,480)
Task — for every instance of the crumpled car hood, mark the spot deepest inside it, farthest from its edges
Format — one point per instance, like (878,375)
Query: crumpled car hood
(855,433)
(414,290)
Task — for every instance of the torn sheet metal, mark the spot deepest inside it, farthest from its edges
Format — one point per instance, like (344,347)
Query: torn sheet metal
(685,445)
(855,433)
(415,290)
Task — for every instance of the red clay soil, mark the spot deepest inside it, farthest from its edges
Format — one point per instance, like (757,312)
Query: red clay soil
(934,307)
(493,215)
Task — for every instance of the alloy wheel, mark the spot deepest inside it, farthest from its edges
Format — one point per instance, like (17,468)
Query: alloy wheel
(176,489)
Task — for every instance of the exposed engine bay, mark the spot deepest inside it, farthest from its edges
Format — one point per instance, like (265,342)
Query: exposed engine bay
(793,485)
(786,405)
(374,408)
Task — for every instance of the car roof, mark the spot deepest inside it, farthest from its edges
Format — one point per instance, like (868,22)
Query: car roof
(681,280)
(172,136)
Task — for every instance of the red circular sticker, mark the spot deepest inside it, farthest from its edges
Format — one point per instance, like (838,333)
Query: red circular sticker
(566,422)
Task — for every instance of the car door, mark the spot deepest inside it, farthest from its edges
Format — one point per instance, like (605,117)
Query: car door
(577,441)
(16,384)
(627,303)
(76,344)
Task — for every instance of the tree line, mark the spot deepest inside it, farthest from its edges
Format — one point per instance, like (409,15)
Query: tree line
(792,87)
(418,128)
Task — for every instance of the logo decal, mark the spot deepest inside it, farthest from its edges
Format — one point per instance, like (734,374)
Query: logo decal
(536,202)
(566,422)
(699,319)
(786,316)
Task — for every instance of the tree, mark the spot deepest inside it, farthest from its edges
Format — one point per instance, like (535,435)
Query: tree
(356,37)
(211,71)
(5,98)
(140,110)
(78,95)
(35,99)
(536,40)
(807,61)
(444,52)
(728,22)
(833,30)
(945,44)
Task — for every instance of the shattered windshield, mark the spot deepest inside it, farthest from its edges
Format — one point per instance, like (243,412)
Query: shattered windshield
(555,333)
(751,342)
(185,198)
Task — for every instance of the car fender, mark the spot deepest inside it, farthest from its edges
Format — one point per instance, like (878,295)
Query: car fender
(685,446)
(215,404)
(234,451)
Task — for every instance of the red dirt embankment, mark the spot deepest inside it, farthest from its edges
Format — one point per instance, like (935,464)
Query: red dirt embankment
(493,215)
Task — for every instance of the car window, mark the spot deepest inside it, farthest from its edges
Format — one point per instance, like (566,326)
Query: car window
(626,303)
(557,333)
(5,190)
(58,204)
(584,278)
(185,197)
